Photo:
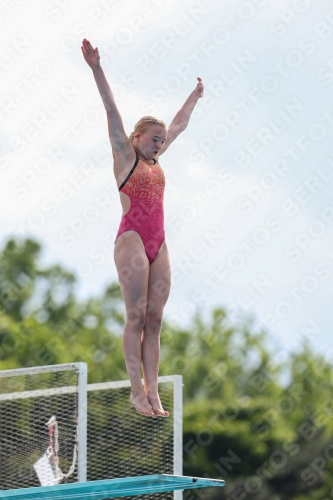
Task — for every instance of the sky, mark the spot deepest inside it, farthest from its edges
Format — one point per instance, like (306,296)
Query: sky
(248,201)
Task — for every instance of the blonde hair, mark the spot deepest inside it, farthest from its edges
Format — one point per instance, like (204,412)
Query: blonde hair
(144,123)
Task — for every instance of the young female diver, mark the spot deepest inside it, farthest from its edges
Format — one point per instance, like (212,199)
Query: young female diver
(141,255)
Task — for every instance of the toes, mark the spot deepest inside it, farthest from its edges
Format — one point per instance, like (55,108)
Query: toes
(161,413)
(157,407)
(146,412)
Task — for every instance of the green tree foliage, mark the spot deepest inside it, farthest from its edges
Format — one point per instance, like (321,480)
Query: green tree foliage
(42,322)
(263,425)
(267,439)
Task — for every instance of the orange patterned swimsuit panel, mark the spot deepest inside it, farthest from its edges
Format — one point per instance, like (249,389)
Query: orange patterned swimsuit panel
(144,186)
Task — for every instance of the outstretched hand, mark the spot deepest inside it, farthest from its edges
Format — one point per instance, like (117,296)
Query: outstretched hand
(90,54)
(200,87)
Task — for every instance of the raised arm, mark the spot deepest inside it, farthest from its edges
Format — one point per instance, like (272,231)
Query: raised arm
(119,141)
(180,121)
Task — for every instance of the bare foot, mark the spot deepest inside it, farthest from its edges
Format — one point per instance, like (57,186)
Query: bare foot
(157,407)
(142,406)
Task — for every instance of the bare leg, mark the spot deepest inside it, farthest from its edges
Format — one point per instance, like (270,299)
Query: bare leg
(158,293)
(133,271)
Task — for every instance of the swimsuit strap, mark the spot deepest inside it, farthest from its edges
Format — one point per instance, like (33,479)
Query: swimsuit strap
(129,175)
(132,170)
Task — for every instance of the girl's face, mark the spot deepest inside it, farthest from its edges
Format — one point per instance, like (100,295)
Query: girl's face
(150,142)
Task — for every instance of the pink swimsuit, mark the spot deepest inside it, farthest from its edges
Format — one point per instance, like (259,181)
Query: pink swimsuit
(144,186)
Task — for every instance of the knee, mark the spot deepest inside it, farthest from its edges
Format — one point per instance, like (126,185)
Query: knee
(136,319)
(154,323)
